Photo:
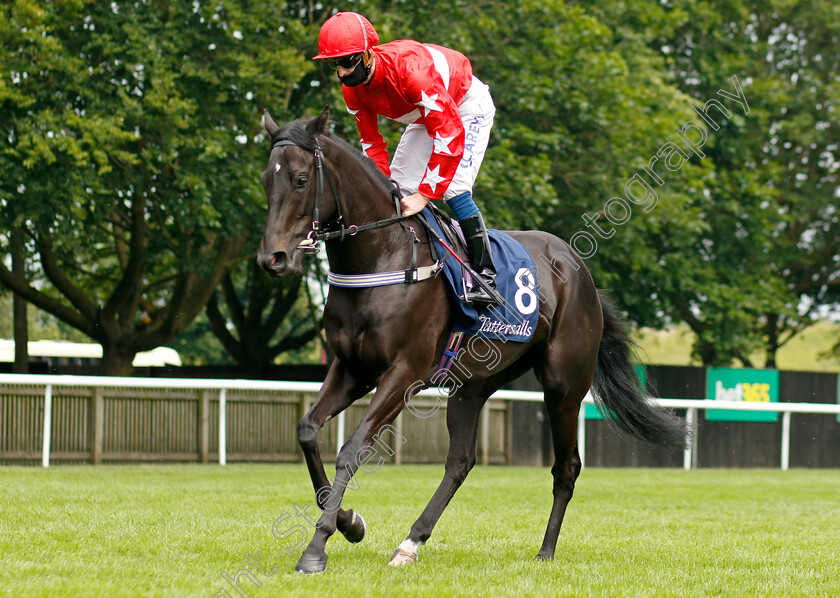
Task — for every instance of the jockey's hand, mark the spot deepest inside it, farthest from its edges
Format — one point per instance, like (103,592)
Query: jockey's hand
(413,204)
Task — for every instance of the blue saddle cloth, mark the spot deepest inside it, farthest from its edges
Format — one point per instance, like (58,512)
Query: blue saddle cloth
(516,281)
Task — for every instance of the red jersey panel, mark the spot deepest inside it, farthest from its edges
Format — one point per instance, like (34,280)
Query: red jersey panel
(415,83)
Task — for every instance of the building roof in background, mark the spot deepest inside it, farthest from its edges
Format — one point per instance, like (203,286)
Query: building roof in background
(155,358)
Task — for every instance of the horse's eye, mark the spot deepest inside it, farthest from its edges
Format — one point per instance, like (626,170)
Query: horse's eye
(301,181)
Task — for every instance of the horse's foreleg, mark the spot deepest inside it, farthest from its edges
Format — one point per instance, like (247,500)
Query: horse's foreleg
(338,392)
(384,408)
(462,415)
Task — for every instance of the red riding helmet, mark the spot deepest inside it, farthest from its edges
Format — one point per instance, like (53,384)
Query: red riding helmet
(346,33)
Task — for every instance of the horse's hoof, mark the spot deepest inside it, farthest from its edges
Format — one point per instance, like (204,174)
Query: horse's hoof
(541,556)
(310,564)
(402,557)
(357,529)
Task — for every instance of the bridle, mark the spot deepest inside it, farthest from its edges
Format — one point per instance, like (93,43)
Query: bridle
(310,244)
(412,274)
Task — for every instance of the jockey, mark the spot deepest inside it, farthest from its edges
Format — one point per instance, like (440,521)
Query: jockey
(448,115)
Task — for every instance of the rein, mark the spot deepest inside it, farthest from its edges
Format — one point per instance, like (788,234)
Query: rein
(317,234)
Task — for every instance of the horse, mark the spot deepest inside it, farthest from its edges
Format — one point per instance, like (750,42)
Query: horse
(390,337)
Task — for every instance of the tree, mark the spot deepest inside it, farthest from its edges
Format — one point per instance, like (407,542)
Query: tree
(259,322)
(131,156)
(583,103)
(742,241)
(773,206)
(19,318)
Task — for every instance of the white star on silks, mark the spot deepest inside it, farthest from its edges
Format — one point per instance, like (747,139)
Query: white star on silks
(442,144)
(353,112)
(432,177)
(428,102)
(365,147)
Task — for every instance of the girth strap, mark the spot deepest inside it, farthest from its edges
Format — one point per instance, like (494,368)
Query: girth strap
(381,279)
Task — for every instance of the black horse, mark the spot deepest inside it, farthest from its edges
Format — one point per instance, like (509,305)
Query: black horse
(390,337)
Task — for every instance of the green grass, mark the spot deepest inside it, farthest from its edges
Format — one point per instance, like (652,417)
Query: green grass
(806,352)
(171,530)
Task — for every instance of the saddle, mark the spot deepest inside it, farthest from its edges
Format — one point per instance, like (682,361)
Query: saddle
(516,279)
(452,232)
(516,318)
(449,227)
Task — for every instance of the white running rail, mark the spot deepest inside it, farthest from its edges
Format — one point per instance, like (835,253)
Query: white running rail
(692,406)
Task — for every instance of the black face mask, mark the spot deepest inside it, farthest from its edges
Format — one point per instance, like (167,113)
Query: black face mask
(357,76)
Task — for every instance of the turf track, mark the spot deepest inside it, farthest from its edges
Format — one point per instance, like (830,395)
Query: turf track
(172,530)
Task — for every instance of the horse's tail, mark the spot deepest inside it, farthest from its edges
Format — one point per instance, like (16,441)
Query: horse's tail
(618,392)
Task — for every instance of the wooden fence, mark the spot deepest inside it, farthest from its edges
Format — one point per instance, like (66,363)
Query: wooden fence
(97,419)
(117,420)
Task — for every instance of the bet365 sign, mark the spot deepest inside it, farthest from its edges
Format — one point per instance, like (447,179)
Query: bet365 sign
(747,386)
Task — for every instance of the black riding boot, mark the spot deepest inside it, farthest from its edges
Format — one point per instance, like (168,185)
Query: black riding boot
(481,258)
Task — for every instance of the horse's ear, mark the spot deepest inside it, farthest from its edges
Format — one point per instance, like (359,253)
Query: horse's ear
(269,123)
(320,124)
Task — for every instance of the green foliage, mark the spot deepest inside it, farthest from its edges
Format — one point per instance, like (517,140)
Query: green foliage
(582,104)
(197,345)
(131,147)
(770,251)
(131,155)
(42,326)
(257,318)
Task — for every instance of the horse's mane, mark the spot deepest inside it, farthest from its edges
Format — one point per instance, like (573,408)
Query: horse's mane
(296,133)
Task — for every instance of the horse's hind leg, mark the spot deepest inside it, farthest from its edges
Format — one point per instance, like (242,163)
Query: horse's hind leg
(563,416)
(462,415)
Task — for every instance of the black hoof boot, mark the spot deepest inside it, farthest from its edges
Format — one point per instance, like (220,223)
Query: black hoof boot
(311,563)
(356,531)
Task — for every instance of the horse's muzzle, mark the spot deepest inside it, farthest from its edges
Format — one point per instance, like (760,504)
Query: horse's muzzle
(277,264)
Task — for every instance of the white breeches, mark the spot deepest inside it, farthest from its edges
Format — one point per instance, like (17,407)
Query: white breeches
(415,147)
